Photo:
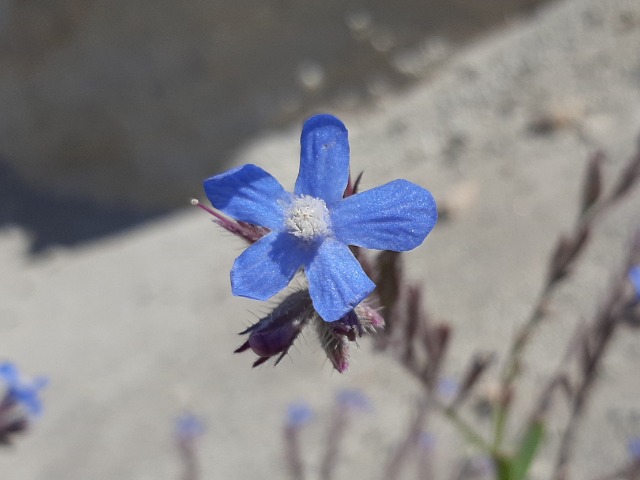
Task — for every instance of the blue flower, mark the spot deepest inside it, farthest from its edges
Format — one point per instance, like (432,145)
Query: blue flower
(189,426)
(312,227)
(634,278)
(634,448)
(427,441)
(20,390)
(298,414)
(353,399)
(448,388)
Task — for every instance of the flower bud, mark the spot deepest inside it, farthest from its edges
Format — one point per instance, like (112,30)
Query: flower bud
(335,336)
(274,334)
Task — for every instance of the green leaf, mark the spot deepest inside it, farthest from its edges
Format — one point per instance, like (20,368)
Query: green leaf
(521,461)
(503,465)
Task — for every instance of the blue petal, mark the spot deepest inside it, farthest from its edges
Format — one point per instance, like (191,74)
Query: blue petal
(324,159)
(249,194)
(267,266)
(337,282)
(396,216)
(21,390)
(29,398)
(9,374)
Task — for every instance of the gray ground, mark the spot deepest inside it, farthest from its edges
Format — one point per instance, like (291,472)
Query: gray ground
(135,328)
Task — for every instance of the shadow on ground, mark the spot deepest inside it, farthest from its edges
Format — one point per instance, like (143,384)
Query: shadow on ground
(52,218)
(134,103)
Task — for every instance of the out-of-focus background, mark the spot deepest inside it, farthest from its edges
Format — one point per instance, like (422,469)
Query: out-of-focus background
(114,111)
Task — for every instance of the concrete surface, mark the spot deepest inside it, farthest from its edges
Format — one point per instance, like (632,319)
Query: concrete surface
(135,328)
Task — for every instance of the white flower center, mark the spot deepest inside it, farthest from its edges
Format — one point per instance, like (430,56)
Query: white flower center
(308,218)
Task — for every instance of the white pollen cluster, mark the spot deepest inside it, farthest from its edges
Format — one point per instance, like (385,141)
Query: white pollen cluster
(308,218)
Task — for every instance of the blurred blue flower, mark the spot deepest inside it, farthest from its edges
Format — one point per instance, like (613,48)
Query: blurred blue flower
(298,414)
(426,441)
(448,388)
(354,400)
(634,448)
(634,278)
(313,226)
(20,390)
(189,426)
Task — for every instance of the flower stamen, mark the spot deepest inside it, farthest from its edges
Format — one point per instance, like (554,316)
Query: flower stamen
(308,218)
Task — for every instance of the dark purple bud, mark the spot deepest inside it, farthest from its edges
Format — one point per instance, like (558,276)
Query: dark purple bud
(13,419)
(274,339)
(274,334)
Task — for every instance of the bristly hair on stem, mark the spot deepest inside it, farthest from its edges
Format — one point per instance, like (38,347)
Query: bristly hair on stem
(420,346)
(248,232)
(592,347)
(564,257)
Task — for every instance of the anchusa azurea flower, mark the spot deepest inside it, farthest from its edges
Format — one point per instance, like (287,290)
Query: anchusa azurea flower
(298,415)
(189,427)
(20,400)
(633,445)
(188,430)
(353,399)
(311,229)
(634,278)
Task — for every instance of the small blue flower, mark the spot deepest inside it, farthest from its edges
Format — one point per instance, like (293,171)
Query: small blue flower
(353,399)
(427,441)
(21,390)
(299,414)
(633,446)
(189,426)
(312,227)
(448,388)
(634,278)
